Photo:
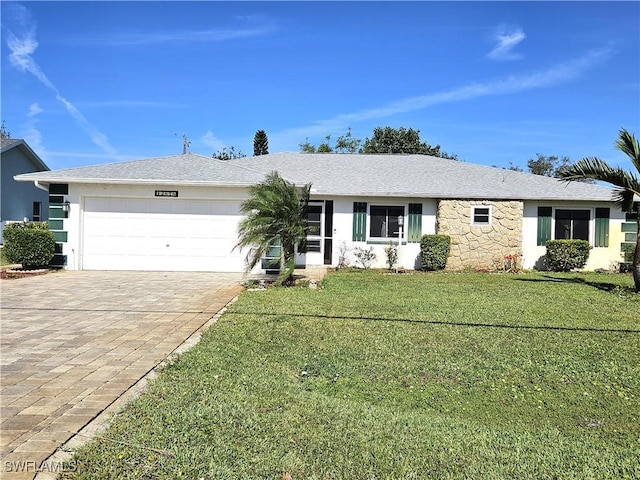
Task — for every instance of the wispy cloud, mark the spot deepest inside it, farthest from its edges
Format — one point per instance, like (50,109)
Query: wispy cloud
(129,104)
(506,38)
(211,141)
(202,36)
(556,75)
(251,26)
(31,133)
(23,45)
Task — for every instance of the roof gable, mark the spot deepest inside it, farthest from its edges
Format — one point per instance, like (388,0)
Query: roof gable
(7,144)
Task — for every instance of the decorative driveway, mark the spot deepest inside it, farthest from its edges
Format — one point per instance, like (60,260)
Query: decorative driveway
(75,342)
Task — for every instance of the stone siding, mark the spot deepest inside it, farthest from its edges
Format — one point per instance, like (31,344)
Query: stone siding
(480,246)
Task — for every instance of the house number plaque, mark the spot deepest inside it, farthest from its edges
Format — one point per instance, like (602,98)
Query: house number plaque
(166,193)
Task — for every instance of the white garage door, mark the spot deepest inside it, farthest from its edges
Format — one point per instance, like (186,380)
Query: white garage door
(161,234)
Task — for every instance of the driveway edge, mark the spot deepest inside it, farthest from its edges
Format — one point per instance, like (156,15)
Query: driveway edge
(101,421)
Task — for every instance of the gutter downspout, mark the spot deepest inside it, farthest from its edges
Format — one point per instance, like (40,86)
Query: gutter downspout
(41,187)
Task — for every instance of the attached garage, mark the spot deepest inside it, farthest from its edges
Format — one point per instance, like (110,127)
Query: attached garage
(160,234)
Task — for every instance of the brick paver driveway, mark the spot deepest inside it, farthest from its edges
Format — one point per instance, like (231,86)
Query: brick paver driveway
(73,342)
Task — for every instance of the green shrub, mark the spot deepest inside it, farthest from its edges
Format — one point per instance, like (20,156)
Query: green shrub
(565,255)
(364,257)
(434,250)
(30,244)
(627,251)
(392,255)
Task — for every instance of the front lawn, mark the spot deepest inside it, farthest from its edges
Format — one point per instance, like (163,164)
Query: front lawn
(378,376)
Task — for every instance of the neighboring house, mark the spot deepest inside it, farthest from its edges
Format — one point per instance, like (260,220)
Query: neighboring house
(181,212)
(19,200)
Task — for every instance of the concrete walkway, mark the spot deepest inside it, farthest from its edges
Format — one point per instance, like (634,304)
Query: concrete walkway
(74,342)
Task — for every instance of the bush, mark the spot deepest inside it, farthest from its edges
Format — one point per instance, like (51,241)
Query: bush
(30,244)
(364,257)
(392,255)
(565,255)
(434,250)
(627,251)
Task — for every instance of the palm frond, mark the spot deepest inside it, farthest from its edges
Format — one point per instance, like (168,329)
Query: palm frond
(629,145)
(591,167)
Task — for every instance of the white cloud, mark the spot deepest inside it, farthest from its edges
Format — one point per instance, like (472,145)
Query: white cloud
(253,26)
(128,104)
(506,38)
(211,141)
(32,134)
(201,36)
(22,48)
(34,110)
(556,75)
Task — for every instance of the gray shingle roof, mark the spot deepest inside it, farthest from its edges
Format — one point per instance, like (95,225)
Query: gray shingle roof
(339,174)
(184,169)
(7,143)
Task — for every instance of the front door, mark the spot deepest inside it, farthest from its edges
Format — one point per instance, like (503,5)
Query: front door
(315,239)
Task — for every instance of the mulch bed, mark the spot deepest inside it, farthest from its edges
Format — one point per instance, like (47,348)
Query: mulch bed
(16,271)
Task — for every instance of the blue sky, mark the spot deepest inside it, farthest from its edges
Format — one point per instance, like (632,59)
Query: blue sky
(493,82)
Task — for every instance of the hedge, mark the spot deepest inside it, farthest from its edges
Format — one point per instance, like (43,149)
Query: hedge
(434,250)
(29,243)
(566,255)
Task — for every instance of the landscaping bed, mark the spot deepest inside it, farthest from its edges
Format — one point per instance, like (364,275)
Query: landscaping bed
(378,376)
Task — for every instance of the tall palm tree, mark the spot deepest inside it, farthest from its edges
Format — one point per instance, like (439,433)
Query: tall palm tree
(276,214)
(628,184)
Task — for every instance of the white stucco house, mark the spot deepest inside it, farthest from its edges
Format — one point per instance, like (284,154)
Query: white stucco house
(181,212)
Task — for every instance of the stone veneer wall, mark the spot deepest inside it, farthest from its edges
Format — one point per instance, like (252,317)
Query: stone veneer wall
(480,246)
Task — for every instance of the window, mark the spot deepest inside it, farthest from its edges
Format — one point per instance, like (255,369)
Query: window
(572,225)
(314,222)
(481,215)
(37,211)
(383,221)
(314,215)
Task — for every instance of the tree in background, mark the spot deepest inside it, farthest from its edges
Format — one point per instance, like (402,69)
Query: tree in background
(383,140)
(400,140)
(260,143)
(551,166)
(628,185)
(347,143)
(3,131)
(229,154)
(324,147)
(275,215)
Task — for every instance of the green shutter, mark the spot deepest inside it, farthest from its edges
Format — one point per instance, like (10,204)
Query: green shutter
(359,221)
(544,225)
(414,227)
(602,227)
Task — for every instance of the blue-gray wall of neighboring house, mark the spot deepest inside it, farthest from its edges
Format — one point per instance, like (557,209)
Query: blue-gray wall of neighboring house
(17,197)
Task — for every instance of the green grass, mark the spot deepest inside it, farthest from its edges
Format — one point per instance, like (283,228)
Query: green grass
(377,376)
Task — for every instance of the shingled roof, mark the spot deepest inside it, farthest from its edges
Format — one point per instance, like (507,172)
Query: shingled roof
(338,174)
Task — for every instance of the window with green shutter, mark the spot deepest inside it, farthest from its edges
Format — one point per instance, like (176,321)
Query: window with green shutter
(544,225)
(602,228)
(359,221)
(414,227)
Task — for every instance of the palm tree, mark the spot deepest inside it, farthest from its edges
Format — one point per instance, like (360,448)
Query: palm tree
(628,184)
(276,215)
